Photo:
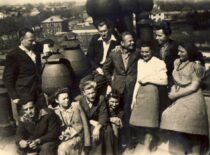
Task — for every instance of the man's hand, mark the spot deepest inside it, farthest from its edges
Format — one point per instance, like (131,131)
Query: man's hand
(96,134)
(94,123)
(116,120)
(35,143)
(100,70)
(16,101)
(23,144)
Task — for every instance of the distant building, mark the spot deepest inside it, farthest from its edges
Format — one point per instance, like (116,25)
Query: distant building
(34,12)
(54,24)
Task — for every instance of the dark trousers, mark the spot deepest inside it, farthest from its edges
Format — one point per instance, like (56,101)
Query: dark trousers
(105,145)
(126,137)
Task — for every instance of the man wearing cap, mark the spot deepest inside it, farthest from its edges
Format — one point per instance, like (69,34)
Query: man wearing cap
(74,126)
(38,130)
(96,111)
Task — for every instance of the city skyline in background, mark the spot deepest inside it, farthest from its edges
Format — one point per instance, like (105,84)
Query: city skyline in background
(19,2)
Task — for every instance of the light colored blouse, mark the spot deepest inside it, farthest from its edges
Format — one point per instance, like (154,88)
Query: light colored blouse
(153,71)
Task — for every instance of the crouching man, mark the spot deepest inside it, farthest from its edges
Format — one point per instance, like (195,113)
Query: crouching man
(96,111)
(75,132)
(38,130)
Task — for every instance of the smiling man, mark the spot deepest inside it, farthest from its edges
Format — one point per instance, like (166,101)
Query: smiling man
(38,130)
(120,70)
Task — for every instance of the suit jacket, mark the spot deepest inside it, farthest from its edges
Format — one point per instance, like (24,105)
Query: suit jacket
(95,51)
(46,127)
(171,55)
(122,78)
(98,112)
(21,75)
(78,121)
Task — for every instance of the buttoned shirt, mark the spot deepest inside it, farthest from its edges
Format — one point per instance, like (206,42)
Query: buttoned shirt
(125,57)
(29,53)
(106,45)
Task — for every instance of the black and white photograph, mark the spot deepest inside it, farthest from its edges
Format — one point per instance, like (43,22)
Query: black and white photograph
(105,77)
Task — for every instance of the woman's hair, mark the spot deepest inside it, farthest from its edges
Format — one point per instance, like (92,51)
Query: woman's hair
(114,94)
(192,52)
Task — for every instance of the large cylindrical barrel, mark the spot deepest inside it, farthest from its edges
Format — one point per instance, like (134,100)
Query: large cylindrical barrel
(78,62)
(102,8)
(56,74)
(181,5)
(6,120)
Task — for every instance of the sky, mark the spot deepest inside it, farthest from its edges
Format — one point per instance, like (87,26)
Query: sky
(13,2)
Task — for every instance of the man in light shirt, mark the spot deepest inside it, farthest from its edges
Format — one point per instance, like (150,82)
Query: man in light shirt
(22,71)
(99,48)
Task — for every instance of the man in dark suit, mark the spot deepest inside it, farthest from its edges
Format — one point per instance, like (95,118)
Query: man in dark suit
(99,48)
(122,62)
(22,71)
(168,48)
(95,109)
(168,52)
(38,130)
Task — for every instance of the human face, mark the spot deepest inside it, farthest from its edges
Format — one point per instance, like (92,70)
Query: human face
(28,40)
(128,42)
(29,109)
(182,53)
(146,53)
(63,100)
(90,94)
(113,103)
(104,32)
(160,36)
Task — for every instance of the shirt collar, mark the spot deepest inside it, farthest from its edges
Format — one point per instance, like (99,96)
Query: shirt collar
(111,39)
(63,110)
(23,48)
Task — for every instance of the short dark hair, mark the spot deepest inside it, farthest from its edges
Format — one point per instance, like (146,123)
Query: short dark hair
(23,31)
(61,91)
(147,44)
(101,22)
(165,26)
(125,34)
(25,99)
(114,94)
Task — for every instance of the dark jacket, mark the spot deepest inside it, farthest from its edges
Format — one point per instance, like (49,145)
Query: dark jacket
(171,55)
(21,75)
(98,112)
(95,51)
(46,127)
(123,78)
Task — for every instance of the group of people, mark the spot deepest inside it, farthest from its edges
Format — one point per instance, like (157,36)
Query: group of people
(133,89)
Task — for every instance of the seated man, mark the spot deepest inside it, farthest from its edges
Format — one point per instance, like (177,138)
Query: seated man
(75,132)
(38,130)
(96,111)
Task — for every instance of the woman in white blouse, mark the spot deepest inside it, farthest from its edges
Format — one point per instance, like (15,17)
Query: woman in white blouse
(145,104)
